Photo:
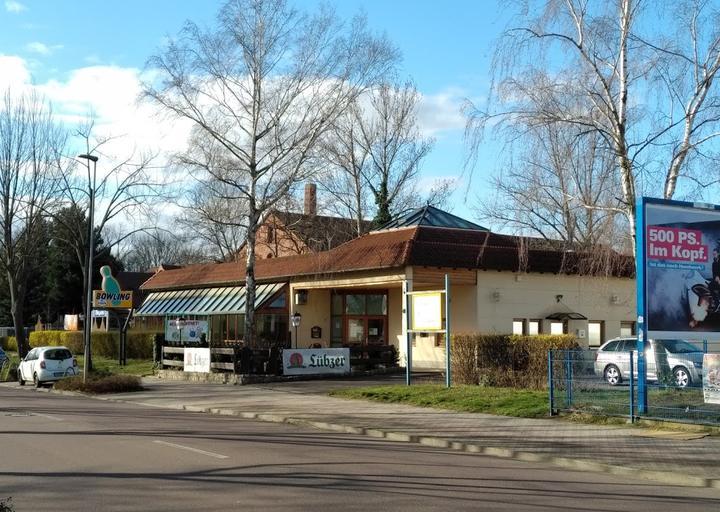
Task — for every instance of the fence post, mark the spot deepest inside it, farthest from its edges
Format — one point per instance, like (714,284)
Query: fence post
(551,384)
(568,379)
(705,347)
(632,388)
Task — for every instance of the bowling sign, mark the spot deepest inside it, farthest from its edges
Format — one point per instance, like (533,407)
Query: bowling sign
(111,296)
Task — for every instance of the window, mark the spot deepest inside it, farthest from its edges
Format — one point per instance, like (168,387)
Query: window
(534,327)
(595,333)
(612,346)
(627,329)
(518,326)
(359,317)
(557,328)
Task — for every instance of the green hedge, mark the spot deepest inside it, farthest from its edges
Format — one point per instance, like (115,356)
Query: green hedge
(104,344)
(8,343)
(505,360)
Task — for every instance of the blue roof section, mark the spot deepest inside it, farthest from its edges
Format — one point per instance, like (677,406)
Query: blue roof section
(431,216)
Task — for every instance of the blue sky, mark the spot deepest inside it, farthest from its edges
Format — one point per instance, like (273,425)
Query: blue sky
(86,54)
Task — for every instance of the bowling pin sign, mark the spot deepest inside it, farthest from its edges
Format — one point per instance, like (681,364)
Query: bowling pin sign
(111,296)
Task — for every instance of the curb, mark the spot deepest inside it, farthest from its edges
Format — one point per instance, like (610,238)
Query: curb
(665,477)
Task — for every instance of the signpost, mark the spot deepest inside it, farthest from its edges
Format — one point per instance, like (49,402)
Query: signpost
(112,297)
(678,276)
(424,314)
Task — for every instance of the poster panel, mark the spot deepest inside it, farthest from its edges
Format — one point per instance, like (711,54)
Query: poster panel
(682,271)
(427,311)
(190,331)
(196,360)
(711,378)
(316,361)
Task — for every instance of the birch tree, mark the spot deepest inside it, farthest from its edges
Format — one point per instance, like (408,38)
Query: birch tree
(650,97)
(375,154)
(31,145)
(262,87)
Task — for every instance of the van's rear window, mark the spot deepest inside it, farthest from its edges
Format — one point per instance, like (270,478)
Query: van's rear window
(57,354)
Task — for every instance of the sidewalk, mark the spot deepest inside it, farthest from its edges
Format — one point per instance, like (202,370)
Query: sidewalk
(671,457)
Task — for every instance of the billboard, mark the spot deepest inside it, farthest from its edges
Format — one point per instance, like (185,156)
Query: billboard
(190,331)
(682,270)
(427,311)
(196,360)
(316,361)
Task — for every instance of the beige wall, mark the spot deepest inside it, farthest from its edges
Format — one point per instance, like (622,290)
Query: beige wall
(503,296)
(315,312)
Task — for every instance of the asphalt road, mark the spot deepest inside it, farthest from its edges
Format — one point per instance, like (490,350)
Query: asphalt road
(78,454)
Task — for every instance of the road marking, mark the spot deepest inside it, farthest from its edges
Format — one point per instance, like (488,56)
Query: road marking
(191,449)
(55,418)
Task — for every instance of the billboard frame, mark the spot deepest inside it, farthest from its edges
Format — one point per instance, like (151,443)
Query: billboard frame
(641,283)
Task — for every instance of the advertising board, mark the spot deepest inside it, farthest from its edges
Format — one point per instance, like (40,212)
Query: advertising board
(682,270)
(190,331)
(316,361)
(427,311)
(196,360)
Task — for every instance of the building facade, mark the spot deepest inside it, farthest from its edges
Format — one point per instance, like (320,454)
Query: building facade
(354,294)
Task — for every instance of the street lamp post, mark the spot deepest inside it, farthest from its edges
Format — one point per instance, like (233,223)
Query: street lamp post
(87,364)
(295,319)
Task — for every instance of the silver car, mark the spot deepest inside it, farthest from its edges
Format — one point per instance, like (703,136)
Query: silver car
(612,360)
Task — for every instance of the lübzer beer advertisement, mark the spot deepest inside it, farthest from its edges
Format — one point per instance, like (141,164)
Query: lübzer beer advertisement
(682,266)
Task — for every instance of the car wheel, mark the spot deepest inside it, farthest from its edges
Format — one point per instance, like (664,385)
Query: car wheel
(36,381)
(612,375)
(682,377)
(21,381)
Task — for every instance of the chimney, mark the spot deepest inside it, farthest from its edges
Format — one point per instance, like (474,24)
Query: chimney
(310,206)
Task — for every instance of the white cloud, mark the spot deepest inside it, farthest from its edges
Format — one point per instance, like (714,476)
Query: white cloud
(441,112)
(15,73)
(42,48)
(14,6)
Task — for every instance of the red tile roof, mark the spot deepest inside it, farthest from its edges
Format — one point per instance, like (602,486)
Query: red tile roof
(417,246)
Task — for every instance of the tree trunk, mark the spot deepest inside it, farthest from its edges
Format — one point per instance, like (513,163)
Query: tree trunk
(249,336)
(17,299)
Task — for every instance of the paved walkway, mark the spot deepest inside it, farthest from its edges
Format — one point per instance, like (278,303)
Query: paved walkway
(679,458)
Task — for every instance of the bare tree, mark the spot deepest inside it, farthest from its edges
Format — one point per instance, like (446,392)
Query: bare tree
(558,185)
(262,88)
(31,145)
(649,98)
(149,250)
(122,190)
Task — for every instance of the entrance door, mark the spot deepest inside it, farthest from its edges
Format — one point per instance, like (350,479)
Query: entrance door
(366,330)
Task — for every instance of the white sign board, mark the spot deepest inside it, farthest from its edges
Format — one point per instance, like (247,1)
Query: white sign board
(190,330)
(711,378)
(682,269)
(313,361)
(197,360)
(427,311)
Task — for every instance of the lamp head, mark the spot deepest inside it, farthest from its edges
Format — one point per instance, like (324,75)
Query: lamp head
(92,158)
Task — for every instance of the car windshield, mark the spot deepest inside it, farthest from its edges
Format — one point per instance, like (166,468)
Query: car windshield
(679,346)
(57,354)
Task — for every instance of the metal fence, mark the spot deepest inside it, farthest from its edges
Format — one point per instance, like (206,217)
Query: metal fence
(580,383)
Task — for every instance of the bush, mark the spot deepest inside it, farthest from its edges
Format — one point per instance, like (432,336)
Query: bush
(101,384)
(505,360)
(8,343)
(104,344)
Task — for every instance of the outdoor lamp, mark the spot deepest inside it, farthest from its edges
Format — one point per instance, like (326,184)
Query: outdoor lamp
(295,320)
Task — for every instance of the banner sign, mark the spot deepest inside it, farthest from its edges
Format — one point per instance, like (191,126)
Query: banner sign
(427,311)
(316,361)
(711,378)
(197,360)
(190,331)
(682,270)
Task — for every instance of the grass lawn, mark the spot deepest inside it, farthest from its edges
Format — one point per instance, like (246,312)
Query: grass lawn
(501,401)
(104,365)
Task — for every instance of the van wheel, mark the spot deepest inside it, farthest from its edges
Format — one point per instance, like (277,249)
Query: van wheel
(21,381)
(36,381)
(612,375)
(682,377)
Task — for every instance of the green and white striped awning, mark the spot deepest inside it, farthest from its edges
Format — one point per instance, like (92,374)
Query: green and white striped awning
(205,301)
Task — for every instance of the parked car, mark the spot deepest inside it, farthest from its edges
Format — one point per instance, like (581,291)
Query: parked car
(612,360)
(46,364)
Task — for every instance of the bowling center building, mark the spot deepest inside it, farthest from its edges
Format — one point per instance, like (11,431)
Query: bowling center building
(349,291)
